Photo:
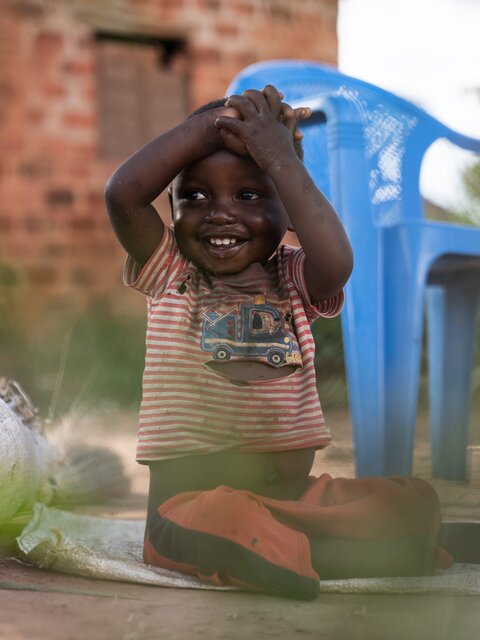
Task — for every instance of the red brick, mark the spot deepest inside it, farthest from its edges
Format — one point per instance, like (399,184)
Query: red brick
(53,90)
(242,59)
(172,5)
(211,5)
(96,200)
(206,55)
(35,115)
(227,30)
(60,198)
(79,67)
(55,250)
(7,91)
(36,224)
(41,276)
(82,224)
(6,223)
(66,242)
(79,119)
(244,8)
(47,46)
(81,277)
(27,8)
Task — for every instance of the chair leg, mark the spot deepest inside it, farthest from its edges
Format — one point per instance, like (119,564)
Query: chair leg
(382,351)
(403,340)
(364,369)
(452,310)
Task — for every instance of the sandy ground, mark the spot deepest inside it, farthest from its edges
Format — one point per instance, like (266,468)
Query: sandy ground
(51,606)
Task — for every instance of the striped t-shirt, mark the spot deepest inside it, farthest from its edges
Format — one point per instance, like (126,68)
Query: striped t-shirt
(261,314)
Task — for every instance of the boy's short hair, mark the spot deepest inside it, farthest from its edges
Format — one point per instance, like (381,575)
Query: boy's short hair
(220,102)
(209,106)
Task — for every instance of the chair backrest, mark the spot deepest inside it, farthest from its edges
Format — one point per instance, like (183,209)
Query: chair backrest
(396,133)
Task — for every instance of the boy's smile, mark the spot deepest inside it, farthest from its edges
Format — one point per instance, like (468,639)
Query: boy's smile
(227,213)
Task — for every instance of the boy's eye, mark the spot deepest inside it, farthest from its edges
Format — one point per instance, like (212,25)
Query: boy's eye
(195,194)
(249,195)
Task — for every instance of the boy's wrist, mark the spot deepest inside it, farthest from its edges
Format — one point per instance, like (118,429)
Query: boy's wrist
(280,161)
(214,138)
(211,135)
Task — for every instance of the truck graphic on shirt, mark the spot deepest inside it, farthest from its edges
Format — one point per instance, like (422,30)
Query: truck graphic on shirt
(252,331)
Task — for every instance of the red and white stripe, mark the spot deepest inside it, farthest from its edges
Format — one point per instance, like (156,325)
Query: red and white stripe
(187,408)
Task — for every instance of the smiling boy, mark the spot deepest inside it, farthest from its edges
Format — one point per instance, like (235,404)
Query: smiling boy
(230,417)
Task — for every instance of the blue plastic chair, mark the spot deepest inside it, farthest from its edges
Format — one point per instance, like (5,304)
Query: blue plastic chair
(364,147)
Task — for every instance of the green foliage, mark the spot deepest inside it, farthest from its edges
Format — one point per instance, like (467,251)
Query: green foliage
(471,181)
(8,276)
(95,359)
(471,185)
(329,363)
(460,215)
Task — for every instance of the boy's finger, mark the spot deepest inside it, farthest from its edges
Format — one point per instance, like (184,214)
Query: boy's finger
(231,112)
(271,90)
(291,117)
(244,105)
(302,113)
(273,98)
(257,98)
(287,117)
(286,113)
(230,124)
(233,143)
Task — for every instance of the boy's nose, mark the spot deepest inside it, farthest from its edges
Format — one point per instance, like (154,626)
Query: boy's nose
(221,215)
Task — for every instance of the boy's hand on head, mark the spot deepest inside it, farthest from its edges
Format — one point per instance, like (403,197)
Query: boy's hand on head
(230,141)
(267,127)
(290,117)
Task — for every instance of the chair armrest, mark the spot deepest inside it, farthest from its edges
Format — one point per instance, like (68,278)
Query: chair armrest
(342,114)
(347,164)
(465,142)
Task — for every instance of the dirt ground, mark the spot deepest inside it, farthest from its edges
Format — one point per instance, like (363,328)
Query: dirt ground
(50,606)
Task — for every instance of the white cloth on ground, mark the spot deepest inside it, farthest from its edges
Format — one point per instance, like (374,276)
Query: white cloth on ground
(111,549)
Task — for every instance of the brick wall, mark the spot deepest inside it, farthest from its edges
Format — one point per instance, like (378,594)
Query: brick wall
(57,251)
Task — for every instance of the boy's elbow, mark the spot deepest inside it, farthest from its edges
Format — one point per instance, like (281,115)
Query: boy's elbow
(115,196)
(116,203)
(110,191)
(344,266)
(343,271)
(342,276)
(348,266)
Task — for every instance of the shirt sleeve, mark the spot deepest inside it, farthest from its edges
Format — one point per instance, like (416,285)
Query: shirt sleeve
(293,267)
(163,264)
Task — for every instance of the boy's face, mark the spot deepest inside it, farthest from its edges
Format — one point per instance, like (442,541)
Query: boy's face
(227,213)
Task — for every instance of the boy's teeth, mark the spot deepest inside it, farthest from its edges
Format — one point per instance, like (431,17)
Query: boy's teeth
(222,241)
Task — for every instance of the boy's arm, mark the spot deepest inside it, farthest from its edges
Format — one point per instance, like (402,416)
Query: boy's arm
(131,189)
(327,249)
(329,258)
